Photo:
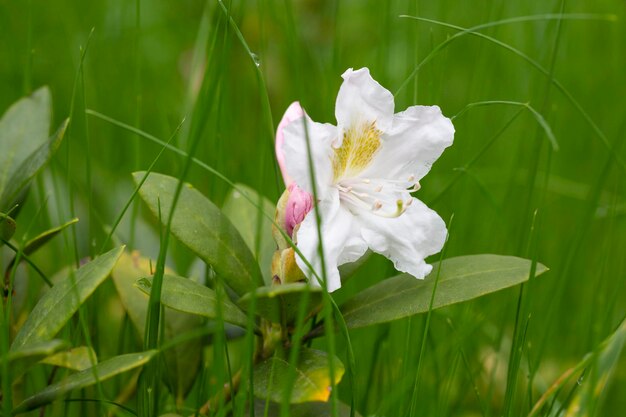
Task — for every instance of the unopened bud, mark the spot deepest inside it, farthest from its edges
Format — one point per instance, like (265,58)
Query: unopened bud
(285,269)
(299,204)
(291,209)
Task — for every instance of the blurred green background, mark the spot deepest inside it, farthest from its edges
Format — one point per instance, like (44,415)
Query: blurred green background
(521,197)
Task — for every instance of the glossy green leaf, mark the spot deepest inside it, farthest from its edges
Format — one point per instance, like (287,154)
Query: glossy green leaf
(28,168)
(59,304)
(461,279)
(204,229)
(308,409)
(7,227)
(275,301)
(41,239)
(185,295)
(183,361)
(76,359)
(85,378)
(312,377)
(24,127)
(21,359)
(254,227)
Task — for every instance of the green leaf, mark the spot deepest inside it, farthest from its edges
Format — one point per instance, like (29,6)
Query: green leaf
(76,359)
(272,302)
(25,172)
(312,381)
(185,295)
(254,227)
(59,304)
(101,372)
(461,279)
(38,241)
(346,271)
(126,272)
(202,227)
(182,361)
(21,359)
(604,362)
(7,227)
(24,127)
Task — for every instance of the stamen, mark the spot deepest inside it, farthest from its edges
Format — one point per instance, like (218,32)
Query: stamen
(377,195)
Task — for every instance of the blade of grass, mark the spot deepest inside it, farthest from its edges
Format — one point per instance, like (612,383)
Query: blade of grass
(541,121)
(475,158)
(473,31)
(150,380)
(330,307)
(128,203)
(416,383)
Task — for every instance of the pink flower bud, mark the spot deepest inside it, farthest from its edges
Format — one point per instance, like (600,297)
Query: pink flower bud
(299,204)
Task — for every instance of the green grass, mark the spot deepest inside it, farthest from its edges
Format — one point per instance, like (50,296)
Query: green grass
(536,171)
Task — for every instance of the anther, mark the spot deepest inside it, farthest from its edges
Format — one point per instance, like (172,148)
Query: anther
(415,187)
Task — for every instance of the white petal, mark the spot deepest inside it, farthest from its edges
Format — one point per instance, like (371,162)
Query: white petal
(417,138)
(341,241)
(293,112)
(362,100)
(406,240)
(295,150)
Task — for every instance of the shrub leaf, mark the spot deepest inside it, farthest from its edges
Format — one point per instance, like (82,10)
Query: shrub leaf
(312,381)
(59,304)
(185,295)
(461,279)
(101,372)
(204,229)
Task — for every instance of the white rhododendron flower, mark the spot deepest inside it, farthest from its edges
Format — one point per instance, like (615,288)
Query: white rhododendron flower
(365,169)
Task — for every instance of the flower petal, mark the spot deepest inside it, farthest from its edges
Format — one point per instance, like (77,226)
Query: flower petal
(295,150)
(299,203)
(362,100)
(341,241)
(293,112)
(406,240)
(415,141)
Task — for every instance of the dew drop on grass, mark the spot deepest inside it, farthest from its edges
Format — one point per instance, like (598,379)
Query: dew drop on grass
(256,59)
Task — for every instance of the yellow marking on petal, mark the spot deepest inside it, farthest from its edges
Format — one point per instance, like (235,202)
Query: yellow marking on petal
(360,144)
